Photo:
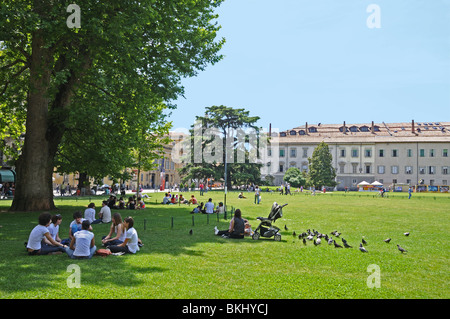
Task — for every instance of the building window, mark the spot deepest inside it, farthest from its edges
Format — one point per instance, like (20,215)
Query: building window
(445,152)
(269,152)
(368,152)
(422,170)
(354,168)
(354,153)
(408,170)
(342,168)
(381,169)
(281,168)
(368,168)
(394,169)
(305,152)
(394,153)
(342,152)
(293,152)
(394,181)
(381,153)
(431,170)
(409,153)
(281,153)
(432,153)
(444,170)
(422,152)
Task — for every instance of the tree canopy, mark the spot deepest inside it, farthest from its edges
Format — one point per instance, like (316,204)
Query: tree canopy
(100,89)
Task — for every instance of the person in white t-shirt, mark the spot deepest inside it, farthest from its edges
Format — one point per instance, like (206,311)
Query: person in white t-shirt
(131,243)
(35,244)
(82,245)
(89,214)
(209,207)
(105,213)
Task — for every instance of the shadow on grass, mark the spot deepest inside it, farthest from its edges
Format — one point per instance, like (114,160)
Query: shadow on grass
(20,273)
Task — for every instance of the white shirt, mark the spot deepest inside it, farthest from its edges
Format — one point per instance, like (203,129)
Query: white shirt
(83,240)
(36,236)
(123,235)
(89,214)
(53,229)
(132,243)
(209,206)
(105,212)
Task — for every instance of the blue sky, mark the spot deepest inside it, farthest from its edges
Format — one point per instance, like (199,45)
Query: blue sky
(317,61)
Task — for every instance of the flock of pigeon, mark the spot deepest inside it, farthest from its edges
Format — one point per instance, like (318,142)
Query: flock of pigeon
(317,238)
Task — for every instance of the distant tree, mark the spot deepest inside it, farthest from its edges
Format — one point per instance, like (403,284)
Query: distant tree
(224,119)
(294,177)
(321,171)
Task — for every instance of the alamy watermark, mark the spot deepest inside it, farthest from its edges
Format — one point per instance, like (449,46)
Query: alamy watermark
(374,279)
(73,20)
(74,279)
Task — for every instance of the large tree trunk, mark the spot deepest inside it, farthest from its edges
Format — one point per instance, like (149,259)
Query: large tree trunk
(35,165)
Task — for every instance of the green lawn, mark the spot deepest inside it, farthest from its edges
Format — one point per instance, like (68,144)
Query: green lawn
(174,264)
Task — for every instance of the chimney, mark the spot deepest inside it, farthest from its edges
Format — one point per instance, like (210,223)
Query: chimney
(270,129)
(413,129)
(306,128)
(344,129)
(373,128)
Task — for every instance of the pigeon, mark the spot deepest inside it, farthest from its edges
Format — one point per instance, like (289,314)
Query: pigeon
(310,237)
(285,227)
(337,234)
(294,234)
(346,245)
(317,242)
(336,245)
(362,248)
(330,241)
(402,249)
(387,240)
(304,241)
(364,242)
(190,232)
(406,234)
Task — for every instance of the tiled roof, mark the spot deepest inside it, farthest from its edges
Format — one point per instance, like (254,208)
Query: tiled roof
(367,132)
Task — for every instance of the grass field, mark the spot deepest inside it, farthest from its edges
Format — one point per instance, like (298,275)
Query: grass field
(173,264)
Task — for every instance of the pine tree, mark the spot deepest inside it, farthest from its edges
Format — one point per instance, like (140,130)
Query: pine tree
(321,171)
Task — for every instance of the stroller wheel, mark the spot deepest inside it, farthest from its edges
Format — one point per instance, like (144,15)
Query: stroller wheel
(255,235)
(277,237)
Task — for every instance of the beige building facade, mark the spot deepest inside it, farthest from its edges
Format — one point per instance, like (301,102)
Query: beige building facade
(391,153)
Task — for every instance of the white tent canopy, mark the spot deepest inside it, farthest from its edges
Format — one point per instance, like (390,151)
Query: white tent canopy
(363,183)
(376,183)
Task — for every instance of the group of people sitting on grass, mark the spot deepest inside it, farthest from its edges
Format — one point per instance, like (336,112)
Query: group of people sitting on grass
(44,238)
(133,202)
(170,199)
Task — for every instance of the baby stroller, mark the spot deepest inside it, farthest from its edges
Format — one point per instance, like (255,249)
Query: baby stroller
(265,228)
